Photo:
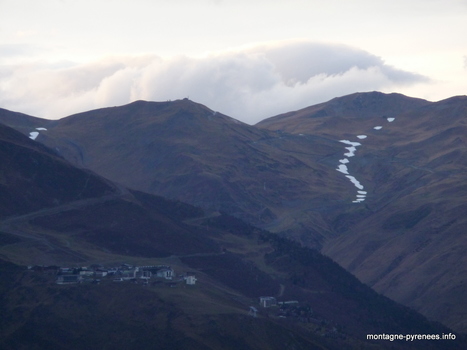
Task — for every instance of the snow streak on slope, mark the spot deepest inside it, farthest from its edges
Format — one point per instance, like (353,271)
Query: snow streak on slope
(342,167)
(33,134)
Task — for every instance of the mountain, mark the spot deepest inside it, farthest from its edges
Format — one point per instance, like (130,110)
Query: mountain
(101,223)
(352,114)
(406,239)
(42,188)
(34,177)
(185,151)
(23,122)
(375,181)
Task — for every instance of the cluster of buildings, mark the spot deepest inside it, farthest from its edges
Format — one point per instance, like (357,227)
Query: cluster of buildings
(271,301)
(122,273)
(266,302)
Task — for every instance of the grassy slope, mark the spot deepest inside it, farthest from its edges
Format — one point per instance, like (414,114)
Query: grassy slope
(213,313)
(32,177)
(406,240)
(183,150)
(410,246)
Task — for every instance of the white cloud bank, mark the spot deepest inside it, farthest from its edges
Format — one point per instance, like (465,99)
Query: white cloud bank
(249,84)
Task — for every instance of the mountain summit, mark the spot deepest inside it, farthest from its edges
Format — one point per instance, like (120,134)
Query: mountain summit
(185,151)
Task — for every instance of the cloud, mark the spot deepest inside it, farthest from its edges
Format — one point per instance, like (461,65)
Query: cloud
(465,62)
(17,50)
(248,84)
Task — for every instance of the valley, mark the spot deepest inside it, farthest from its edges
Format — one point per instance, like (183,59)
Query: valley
(373,181)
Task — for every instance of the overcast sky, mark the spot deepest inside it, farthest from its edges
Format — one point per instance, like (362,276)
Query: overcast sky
(249,59)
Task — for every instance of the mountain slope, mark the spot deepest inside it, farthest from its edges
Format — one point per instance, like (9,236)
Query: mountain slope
(33,177)
(185,151)
(334,309)
(39,187)
(406,239)
(418,215)
(400,231)
(23,122)
(347,113)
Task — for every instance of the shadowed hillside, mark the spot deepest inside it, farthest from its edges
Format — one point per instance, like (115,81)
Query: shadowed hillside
(406,239)
(324,307)
(185,151)
(376,181)
(33,177)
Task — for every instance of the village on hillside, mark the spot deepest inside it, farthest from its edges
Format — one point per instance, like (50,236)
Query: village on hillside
(165,276)
(124,273)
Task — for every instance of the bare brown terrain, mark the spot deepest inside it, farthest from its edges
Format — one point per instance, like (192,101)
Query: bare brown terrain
(185,151)
(405,239)
(85,220)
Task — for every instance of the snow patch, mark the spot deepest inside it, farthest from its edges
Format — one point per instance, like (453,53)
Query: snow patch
(351,152)
(361,196)
(347,142)
(355,182)
(343,169)
(352,149)
(33,135)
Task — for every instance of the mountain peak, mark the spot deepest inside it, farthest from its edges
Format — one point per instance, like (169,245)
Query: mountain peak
(357,106)
(141,112)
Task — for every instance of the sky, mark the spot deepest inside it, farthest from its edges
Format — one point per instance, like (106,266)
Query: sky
(249,59)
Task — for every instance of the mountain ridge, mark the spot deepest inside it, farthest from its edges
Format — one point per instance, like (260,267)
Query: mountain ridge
(413,166)
(285,180)
(157,153)
(233,261)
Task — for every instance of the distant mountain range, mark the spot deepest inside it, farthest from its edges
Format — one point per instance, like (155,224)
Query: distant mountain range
(375,181)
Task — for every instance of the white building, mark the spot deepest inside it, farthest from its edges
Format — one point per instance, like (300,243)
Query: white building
(129,274)
(166,272)
(190,280)
(101,273)
(69,279)
(267,301)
